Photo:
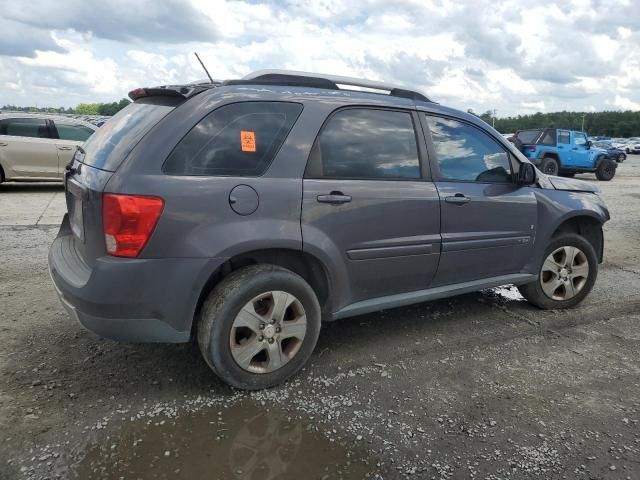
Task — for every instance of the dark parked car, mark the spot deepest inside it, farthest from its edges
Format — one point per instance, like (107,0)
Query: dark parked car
(612,152)
(243,213)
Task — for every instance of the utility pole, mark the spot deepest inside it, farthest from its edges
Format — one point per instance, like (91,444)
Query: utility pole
(583,115)
(493,119)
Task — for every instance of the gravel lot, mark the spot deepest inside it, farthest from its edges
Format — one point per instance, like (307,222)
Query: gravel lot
(480,386)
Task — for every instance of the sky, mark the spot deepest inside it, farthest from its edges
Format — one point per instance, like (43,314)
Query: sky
(514,56)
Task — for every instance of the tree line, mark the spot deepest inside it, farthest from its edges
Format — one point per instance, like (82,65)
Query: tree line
(98,108)
(608,123)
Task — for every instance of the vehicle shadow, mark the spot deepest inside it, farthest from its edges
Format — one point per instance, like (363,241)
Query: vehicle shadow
(35,187)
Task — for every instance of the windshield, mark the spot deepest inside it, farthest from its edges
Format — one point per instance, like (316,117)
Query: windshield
(113,141)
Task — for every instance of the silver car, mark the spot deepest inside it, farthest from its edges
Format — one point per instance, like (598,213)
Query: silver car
(36,147)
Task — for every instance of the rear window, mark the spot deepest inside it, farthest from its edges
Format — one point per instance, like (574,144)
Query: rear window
(113,141)
(240,139)
(528,136)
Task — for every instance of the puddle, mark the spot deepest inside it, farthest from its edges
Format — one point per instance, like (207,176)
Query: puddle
(239,442)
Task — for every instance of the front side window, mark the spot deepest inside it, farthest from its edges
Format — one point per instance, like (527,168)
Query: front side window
(361,143)
(580,139)
(24,127)
(72,131)
(564,137)
(465,153)
(240,139)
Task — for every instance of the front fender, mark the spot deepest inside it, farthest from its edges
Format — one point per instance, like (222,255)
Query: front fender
(558,207)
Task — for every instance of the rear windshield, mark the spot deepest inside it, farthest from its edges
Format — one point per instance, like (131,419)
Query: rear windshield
(113,141)
(528,136)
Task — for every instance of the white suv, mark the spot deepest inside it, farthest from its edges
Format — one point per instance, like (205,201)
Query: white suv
(36,147)
(633,145)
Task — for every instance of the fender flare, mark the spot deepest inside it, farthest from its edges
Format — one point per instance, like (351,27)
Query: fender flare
(600,158)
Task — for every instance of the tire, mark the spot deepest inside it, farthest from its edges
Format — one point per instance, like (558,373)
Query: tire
(606,170)
(221,326)
(535,292)
(549,166)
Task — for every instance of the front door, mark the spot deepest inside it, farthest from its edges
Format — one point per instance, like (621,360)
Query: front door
(367,210)
(580,157)
(488,221)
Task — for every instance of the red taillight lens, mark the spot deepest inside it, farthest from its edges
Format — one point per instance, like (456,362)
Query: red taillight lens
(531,148)
(128,222)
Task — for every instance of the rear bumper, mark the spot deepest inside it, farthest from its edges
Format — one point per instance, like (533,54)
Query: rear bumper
(134,300)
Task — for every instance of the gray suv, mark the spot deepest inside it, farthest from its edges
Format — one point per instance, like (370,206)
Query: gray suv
(244,213)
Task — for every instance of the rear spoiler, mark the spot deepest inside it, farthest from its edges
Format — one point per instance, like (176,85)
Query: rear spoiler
(184,91)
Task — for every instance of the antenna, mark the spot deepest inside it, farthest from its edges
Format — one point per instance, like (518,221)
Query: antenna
(203,67)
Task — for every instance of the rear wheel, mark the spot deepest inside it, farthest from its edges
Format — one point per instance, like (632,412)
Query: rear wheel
(549,166)
(606,170)
(567,274)
(259,326)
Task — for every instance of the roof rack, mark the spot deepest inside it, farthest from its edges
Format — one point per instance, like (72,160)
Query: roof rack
(332,82)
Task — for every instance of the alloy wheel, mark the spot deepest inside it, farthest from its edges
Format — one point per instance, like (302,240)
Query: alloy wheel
(268,332)
(564,273)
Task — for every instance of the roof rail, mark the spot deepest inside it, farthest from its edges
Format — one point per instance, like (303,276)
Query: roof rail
(315,80)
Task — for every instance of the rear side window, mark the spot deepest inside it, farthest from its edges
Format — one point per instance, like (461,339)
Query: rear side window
(240,139)
(361,143)
(528,136)
(466,153)
(113,141)
(72,131)
(24,127)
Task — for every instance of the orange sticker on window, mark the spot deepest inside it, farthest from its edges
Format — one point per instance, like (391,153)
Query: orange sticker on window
(247,141)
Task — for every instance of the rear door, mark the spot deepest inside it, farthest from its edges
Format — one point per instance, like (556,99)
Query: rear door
(368,207)
(27,149)
(69,135)
(488,221)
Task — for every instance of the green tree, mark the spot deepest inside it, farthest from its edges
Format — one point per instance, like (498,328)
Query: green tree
(88,108)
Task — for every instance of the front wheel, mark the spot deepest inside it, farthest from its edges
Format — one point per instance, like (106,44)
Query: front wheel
(567,274)
(259,326)
(549,166)
(606,170)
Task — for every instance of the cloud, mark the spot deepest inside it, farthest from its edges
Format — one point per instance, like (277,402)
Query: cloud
(19,40)
(513,56)
(166,21)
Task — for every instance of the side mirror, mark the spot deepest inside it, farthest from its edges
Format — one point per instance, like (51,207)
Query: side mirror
(526,174)
(589,143)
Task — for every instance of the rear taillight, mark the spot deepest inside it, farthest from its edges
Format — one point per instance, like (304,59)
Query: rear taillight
(128,222)
(531,148)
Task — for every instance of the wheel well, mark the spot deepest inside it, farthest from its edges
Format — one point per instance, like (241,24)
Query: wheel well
(2,177)
(302,263)
(553,155)
(587,227)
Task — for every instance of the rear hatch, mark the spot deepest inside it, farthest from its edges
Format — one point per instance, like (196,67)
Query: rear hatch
(95,162)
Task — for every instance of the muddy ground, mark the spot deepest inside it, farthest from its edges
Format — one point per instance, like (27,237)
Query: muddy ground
(481,386)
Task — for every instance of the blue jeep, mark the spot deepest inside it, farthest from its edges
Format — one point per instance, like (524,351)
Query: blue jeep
(564,152)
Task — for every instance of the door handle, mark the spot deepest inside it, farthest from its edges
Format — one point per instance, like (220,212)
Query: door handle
(65,148)
(334,198)
(457,199)
(3,144)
